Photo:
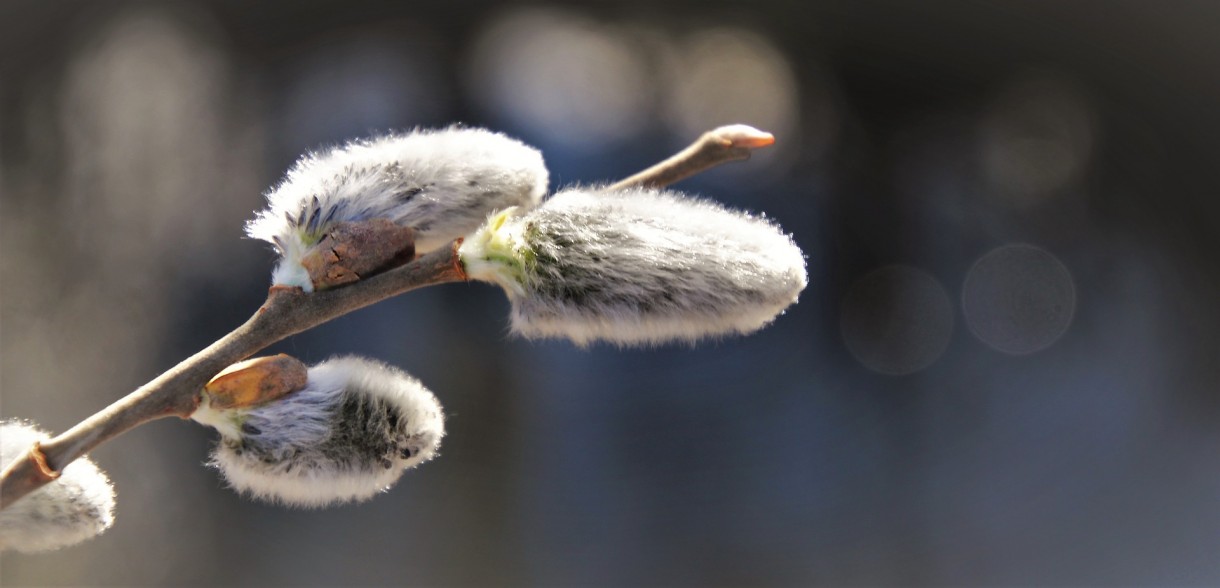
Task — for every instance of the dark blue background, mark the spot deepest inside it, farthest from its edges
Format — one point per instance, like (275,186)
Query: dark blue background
(1056,423)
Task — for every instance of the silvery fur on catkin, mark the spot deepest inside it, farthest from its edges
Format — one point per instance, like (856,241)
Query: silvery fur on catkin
(442,183)
(644,266)
(76,506)
(349,434)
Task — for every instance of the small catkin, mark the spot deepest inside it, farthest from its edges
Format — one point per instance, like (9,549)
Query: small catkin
(75,507)
(441,183)
(636,267)
(350,433)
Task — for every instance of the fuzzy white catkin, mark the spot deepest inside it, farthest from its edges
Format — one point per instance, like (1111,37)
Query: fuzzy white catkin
(350,433)
(636,266)
(442,183)
(75,507)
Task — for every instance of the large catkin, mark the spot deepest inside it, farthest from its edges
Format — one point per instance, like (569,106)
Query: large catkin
(76,506)
(442,183)
(636,266)
(350,433)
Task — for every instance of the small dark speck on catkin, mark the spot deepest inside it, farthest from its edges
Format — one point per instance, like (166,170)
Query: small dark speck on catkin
(409,194)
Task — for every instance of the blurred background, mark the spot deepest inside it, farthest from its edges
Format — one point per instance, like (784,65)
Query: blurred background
(1003,371)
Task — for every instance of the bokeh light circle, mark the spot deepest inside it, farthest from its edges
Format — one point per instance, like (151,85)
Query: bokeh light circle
(1037,138)
(353,85)
(568,77)
(897,320)
(730,75)
(1018,299)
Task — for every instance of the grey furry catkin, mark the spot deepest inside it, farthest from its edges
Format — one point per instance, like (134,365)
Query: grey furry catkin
(636,266)
(350,433)
(76,506)
(442,183)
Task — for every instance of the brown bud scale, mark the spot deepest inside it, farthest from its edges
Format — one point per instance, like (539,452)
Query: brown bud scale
(351,250)
(255,381)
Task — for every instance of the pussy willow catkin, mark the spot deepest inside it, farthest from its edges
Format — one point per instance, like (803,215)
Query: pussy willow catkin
(636,266)
(442,183)
(74,507)
(350,433)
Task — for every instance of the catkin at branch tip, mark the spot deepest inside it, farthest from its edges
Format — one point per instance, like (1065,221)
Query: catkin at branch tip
(636,267)
(76,506)
(350,433)
(442,183)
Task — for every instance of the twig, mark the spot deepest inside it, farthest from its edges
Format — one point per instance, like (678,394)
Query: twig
(717,146)
(288,311)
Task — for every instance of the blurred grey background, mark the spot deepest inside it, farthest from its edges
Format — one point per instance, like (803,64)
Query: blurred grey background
(1003,371)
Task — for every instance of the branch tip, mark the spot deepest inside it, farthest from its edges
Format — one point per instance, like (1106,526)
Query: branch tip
(742,136)
(717,146)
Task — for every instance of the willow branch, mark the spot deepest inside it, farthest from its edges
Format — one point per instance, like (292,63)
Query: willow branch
(288,311)
(717,146)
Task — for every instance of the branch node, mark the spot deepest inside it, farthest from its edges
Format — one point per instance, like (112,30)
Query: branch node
(278,288)
(196,400)
(278,294)
(44,471)
(459,270)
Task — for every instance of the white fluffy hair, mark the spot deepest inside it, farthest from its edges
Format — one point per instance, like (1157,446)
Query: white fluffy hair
(76,506)
(350,433)
(442,183)
(636,267)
